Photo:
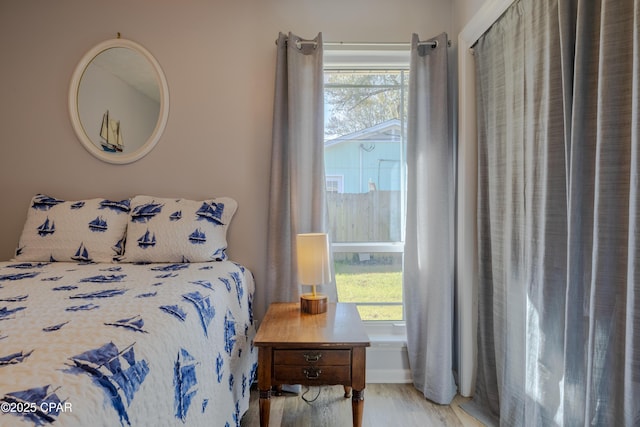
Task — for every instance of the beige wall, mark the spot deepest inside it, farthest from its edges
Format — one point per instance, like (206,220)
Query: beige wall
(463,12)
(218,57)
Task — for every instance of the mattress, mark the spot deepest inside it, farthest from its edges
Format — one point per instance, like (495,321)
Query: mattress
(85,344)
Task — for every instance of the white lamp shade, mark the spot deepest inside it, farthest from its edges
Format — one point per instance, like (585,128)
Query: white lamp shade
(313,258)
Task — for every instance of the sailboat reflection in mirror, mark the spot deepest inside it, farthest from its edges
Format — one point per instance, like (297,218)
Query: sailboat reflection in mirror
(110,134)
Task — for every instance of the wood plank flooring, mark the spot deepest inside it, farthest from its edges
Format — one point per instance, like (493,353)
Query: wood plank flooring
(384,405)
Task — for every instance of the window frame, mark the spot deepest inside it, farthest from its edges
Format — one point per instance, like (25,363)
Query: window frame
(389,58)
(338,179)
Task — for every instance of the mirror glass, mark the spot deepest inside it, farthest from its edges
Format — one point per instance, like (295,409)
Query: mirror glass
(118,101)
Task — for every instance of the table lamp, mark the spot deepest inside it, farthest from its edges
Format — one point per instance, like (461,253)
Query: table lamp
(313,269)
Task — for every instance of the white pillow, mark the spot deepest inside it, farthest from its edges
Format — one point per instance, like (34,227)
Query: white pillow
(178,230)
(83,230)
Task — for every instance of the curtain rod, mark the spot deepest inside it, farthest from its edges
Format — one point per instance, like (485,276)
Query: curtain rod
(433,44)
(300,43)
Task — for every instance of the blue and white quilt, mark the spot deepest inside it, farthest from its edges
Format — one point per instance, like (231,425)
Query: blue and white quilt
(125,344)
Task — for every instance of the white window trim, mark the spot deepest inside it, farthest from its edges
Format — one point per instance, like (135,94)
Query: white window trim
(375,247)
(366,56)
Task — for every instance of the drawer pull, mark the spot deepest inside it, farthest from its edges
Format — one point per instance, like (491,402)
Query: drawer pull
(312,373)
(312,358)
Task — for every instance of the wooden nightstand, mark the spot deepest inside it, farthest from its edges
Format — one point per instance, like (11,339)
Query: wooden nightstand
(312,349)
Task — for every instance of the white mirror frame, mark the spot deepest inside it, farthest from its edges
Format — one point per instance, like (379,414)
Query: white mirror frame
(117,158)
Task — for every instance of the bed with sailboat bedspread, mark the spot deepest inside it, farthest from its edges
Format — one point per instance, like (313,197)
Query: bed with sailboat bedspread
(86,343)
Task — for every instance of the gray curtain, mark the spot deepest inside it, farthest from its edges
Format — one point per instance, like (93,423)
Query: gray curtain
(558,90)
(297,192)
(429,239)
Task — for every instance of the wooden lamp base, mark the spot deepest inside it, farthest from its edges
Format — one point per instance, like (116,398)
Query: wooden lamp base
(313,304)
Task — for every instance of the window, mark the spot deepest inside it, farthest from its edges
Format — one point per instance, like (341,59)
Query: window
(334,184)
(365,127)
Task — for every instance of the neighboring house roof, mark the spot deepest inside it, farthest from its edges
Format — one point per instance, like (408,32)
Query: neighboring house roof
(388,131)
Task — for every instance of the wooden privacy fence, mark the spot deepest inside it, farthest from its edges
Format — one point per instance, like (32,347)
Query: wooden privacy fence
(364,217)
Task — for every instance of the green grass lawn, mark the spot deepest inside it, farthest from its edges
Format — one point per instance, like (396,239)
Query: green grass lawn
(370,284)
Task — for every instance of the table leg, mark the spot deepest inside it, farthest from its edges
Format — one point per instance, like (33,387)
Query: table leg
(357,406)
(347,392)
(265,356)
(265,407)
(358,372)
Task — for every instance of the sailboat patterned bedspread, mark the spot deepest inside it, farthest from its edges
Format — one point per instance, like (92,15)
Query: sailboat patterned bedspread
(125,344)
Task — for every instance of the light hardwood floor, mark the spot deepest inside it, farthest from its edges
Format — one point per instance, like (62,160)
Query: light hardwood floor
(384,405)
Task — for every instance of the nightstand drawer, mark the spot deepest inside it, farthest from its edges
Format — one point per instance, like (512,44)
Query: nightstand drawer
(311,374)
(312,357)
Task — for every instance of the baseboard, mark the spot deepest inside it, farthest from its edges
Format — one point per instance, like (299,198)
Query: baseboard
(389,376)
(388,362)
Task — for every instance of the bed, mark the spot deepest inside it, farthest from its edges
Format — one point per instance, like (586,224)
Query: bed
(129,313)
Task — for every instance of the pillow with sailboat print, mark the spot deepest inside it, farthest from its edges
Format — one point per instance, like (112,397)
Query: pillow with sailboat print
(90,230)
(178,230)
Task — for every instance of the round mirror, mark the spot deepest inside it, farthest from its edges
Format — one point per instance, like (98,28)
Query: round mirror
(118,101)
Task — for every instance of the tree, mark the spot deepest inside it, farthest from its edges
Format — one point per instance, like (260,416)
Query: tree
(357,100)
